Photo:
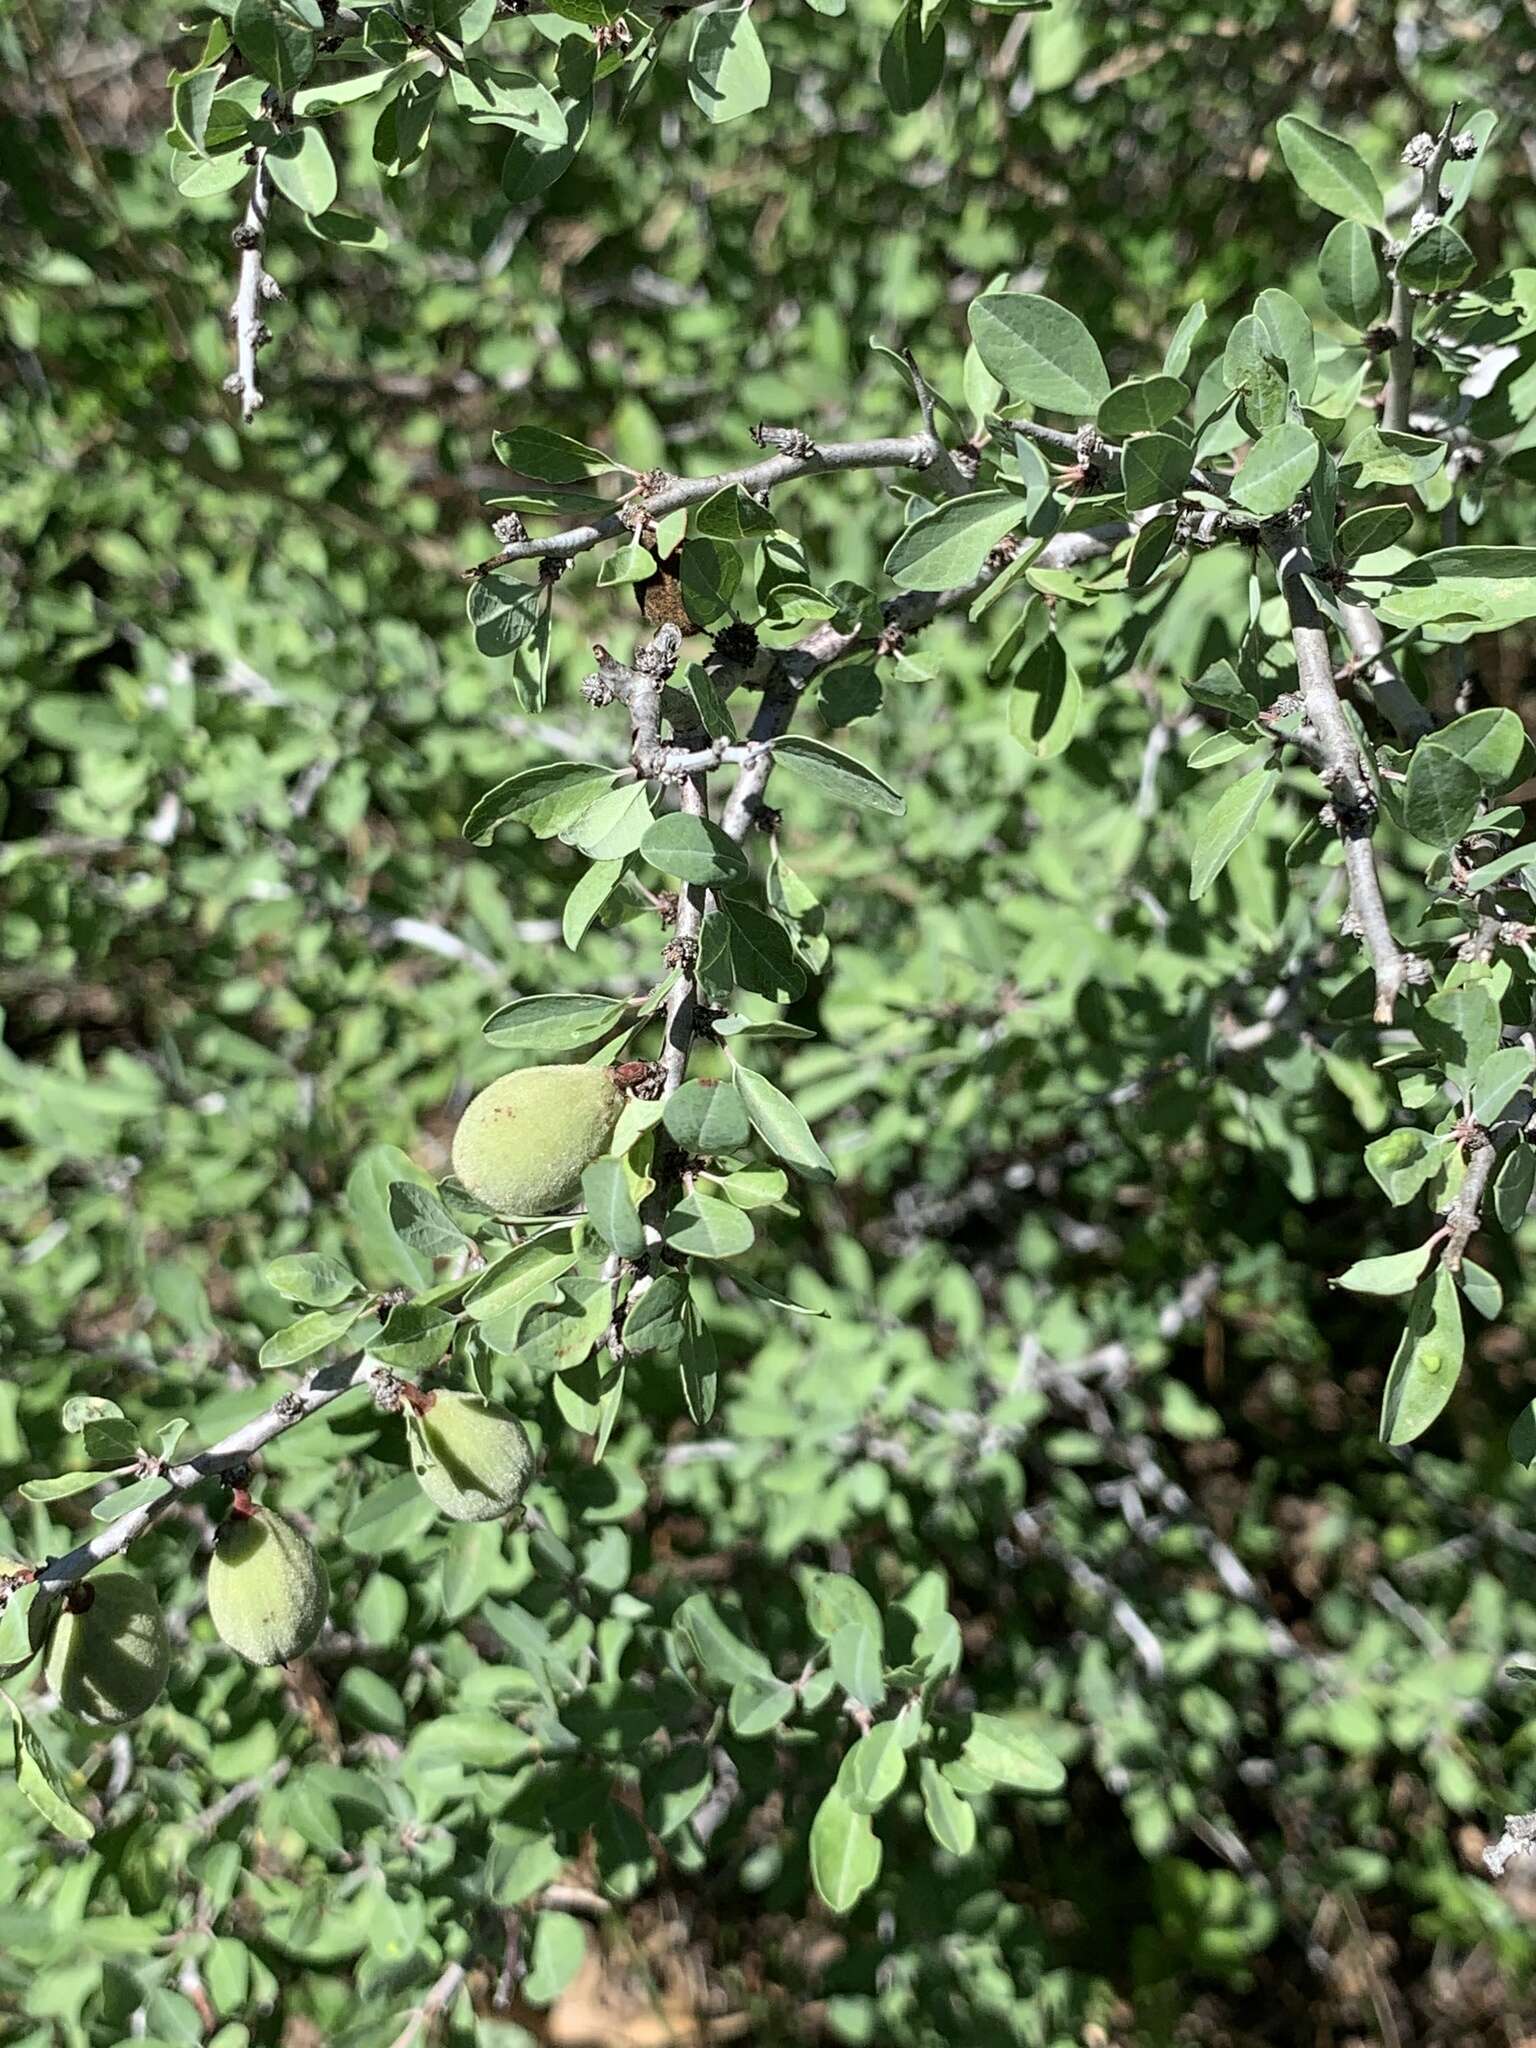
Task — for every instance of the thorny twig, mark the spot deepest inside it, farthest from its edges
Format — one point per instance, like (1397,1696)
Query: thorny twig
(255,288)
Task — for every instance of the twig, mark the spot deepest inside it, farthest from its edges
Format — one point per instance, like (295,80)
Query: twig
(252,291)
(1397,400)
(682,1003)
(432,2007)
(1465,1213)
(1518,1839)
(213,1817)
(1343,773)
(328,1383)
(798,667)
(909,451)
(1148,1650)
(1408,718)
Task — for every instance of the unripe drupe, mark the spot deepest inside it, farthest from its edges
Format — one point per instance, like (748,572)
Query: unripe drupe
(472,1457)
(267,1592)
(110,1655)
(523,1143)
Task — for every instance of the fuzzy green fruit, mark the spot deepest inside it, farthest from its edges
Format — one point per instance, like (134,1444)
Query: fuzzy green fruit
(109,1663)
(472,1457)
(267,1592)
(522,1144)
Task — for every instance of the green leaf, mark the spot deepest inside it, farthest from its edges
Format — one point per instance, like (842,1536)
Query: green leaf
(1396,1273)
(422,1222)
(950,545)
(142,1493)
(413,1338)
(853,1655)
(912,60)
(1277,468)
(699,1370)
(1288,336)
(1513,1186)
(1377,527)
(758,1705)
(1005,1753)
(611,1207)
(951,1821)
(1332,174)
(518,1278)
(1154,468)
(707,1117)
(1185,335)
(845,1853)
(707,1228)
(59,1485)
(1460,1028)
(40,1781)
(502,613)
(1500,1079)
(309,1335)
(302,170)
(1039,352)
(276,46)
(1428,1361)
(1226,825)
(1220,688)
(732,515)
(545,799)
(558,1951)
(1141,405)
(836,774)
(694,850)
(1403,1162)
(781,1126)
(728,74)
(394,1516)
(614,826)
(872,1771)
(1493,744)
(715,1648)
(548,457)
(658,1320)
(1442,795)
(744,947)
(1392,459)
(1045,701)
(1492,588)
(710,574)
(551,1026)
(1436,261)
(312,1278)
(1352,275)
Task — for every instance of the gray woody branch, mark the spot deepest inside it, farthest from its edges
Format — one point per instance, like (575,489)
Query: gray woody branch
(1431,155)
(1343,773)
(252,292)
(319,1388)
(907,451)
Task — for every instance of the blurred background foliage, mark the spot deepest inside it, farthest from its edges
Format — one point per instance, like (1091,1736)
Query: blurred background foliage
(1079,1354)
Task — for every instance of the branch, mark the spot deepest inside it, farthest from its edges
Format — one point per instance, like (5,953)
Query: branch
(798,667)
(1343,775)
(682,1003)
(1465,1213)
(254,289)
(1518,1839)
(909,451)
(1408,718)
(326,1384)
(1432,156)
